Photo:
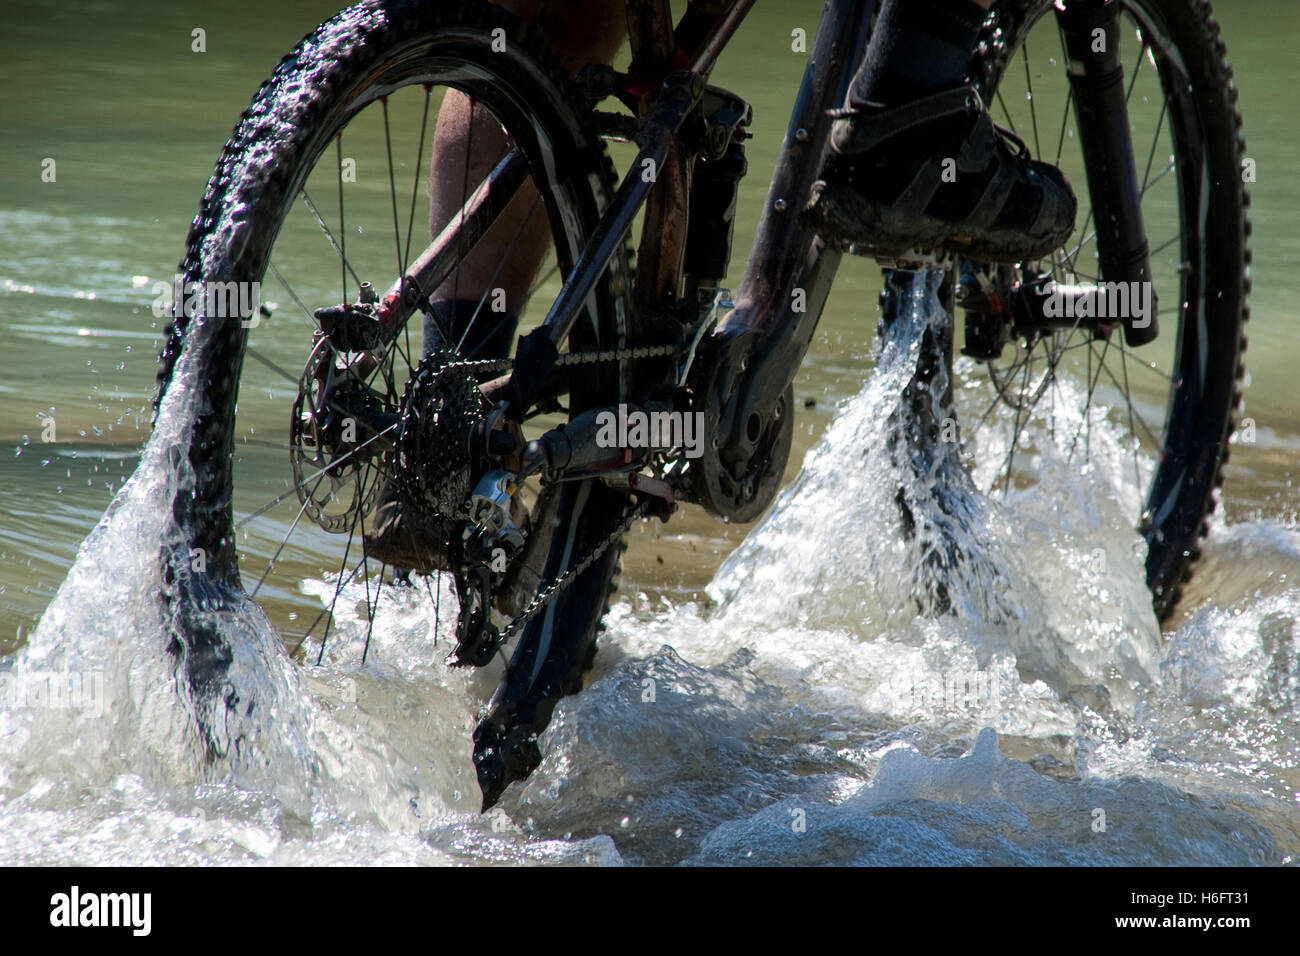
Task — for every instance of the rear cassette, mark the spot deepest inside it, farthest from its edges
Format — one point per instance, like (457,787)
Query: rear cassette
(430,462)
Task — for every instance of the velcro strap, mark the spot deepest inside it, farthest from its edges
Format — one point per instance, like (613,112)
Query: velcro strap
(867,130)
(977,151)
(990,204)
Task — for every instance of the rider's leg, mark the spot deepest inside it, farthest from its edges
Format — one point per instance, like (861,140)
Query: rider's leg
(915,159)
(917,48)
(467,143)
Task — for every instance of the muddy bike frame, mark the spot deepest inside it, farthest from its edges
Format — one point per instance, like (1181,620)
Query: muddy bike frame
(784,257)
(755,351)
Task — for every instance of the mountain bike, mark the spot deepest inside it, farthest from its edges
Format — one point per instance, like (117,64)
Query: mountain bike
(314,202)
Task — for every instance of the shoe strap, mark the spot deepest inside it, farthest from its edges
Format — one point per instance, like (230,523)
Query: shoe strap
(870,128)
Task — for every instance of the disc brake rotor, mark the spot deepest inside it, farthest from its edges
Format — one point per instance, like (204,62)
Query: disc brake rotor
(328,452)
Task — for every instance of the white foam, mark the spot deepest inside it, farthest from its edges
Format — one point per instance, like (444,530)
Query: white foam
(988,735)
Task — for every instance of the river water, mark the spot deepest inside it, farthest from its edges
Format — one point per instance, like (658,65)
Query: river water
(770,697)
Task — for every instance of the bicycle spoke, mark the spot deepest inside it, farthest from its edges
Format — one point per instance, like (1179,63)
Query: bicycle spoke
(330,236)
(1159,176)
(255,354)
(334,464)
(1128,96)
(1033,107)
(419,168)
(1155,141)
(285,540)
(1156,439)
(550,274)
(464,185)
(1005,112)
(343,582)
(1072,257)
(1165,245)
(371,609)
(1128,399)
(1065,121)
(1150,366)
(437,605)
(338,587)
(343,233)
(1015,438)
(488,290)
(270,266)
(392,187)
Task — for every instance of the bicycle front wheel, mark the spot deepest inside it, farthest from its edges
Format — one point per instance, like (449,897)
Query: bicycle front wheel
(1158,417)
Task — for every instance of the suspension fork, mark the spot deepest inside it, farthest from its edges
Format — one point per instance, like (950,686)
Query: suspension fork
(1090,31)
(757,349)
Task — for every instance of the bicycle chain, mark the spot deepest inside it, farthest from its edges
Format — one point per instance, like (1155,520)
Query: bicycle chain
(573,358)
(557,587)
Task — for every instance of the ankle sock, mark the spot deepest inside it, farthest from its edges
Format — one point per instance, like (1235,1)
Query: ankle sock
(918,47)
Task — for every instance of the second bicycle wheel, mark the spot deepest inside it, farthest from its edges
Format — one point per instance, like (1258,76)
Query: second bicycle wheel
(1157,418)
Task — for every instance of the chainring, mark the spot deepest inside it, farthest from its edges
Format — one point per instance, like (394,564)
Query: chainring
(740,489)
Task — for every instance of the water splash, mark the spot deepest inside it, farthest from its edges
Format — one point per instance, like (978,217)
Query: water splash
(818,713)
(885,520)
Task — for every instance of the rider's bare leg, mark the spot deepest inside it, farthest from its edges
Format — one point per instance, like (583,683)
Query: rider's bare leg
(468,142)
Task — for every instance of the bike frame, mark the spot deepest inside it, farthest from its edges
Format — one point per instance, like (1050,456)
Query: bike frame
(770,324)
(756,350)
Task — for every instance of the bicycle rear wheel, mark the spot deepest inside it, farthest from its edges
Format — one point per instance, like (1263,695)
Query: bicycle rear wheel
(305,203)
(1158,417)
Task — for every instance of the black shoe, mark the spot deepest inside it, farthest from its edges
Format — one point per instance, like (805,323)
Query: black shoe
(937,174)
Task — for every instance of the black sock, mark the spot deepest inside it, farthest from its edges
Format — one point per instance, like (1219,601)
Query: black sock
(918,47)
